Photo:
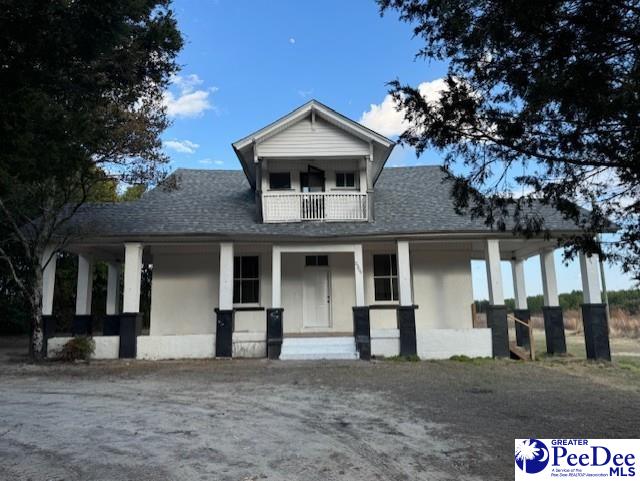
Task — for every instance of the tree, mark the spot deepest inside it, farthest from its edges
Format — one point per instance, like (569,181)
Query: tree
(81,89)
(541,105)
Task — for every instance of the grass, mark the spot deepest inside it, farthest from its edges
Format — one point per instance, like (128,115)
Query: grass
(412,358)
(473,360)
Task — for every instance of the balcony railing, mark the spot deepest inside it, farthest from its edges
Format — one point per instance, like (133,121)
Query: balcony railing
(317,206)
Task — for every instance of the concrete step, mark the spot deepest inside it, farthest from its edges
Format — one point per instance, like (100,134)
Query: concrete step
(308,348)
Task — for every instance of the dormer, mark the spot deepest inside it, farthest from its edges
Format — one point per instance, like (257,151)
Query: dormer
(314,164)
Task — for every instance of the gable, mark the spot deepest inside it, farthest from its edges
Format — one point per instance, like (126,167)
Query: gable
(306,138)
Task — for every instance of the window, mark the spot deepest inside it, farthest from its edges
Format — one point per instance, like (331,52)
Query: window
(279,180)
(317,260)
(385,277)
(246,280)
(345,179)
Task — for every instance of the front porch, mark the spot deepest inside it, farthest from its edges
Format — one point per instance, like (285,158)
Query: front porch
(380,298)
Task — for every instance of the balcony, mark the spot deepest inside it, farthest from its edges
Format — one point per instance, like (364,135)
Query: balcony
(316,206)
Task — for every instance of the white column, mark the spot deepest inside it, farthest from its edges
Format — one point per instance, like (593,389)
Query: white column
(113,288)
(225,300)
(84,286)
(404,273)
(48,263)
(494,274)
(132,276)
(590,283)
(276,278)
(549,283)
(363,175)
(520,293)
(359,274)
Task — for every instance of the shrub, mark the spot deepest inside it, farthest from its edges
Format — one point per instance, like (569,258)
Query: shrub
(77,348)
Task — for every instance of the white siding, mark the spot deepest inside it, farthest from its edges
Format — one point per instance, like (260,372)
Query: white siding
(441,281)
(184,293)
(300,139)
(442,289)
(185,290)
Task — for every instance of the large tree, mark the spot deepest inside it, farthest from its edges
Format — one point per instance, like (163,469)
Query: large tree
(542,104)
(81,88)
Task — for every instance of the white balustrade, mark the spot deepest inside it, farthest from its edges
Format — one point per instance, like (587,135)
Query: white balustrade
(316,206)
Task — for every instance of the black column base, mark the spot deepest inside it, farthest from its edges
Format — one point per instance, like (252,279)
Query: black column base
(48,331)
(407,328)
(554,330)
(82,325)
(274,332)
(224,333)
(596,331)
(497,322)
(522,333)
(130,329)
(111,325)
(362,331)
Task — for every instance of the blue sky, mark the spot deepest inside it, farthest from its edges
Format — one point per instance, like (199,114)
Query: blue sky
(246,63)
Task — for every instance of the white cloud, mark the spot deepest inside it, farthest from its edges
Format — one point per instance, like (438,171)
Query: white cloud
(188,101)
(211,161)
(187,83)
(386,120)
(305,93)
(182,146)
(292,40)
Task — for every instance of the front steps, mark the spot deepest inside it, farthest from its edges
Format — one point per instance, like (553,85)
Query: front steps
(310,348)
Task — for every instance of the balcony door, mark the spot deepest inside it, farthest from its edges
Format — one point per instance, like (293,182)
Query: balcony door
(312,181)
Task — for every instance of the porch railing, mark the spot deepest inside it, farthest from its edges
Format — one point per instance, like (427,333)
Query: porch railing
(316,206)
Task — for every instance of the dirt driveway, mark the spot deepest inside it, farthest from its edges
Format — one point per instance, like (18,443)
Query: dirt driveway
(250,420)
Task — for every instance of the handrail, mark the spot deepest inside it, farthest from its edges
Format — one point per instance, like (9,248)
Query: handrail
(532,347)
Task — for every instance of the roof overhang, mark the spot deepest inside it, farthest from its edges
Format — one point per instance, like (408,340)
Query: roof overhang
(245,148)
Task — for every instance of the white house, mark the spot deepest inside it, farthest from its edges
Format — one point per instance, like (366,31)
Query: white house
(313,250)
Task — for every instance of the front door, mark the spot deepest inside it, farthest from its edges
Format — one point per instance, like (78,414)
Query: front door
(316,298)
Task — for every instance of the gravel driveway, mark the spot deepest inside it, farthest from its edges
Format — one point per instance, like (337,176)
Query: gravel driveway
(246,420)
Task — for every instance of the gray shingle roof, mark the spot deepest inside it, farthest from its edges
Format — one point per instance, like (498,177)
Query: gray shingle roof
(408,200)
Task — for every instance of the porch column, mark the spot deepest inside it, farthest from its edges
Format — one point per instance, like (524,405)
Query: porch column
(111,325)
(82,325)
(224,313)
(496,310)
(131,318)
(361,320)
(275,313)
(551,311)
(406,309)
(48,262)
(594,311)
(521,309)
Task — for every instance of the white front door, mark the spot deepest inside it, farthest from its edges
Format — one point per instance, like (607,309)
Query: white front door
(316,297)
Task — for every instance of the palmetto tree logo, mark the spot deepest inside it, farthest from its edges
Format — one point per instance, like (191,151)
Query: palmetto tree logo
(532,455)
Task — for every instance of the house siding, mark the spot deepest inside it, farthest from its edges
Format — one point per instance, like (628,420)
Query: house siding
(184,293)
(300,139)
(442,289)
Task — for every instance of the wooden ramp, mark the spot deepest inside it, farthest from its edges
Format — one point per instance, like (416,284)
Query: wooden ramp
(518,352)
